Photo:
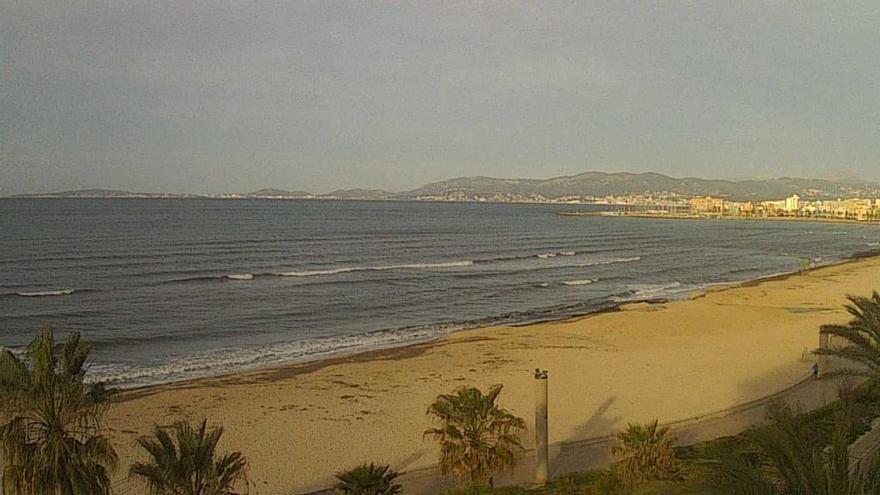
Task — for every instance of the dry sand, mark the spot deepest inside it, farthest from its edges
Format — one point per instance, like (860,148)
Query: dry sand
(300,424)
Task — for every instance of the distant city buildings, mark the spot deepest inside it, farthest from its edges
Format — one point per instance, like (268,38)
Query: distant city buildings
(846,209)
(662,203)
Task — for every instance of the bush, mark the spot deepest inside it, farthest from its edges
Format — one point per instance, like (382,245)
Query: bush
(476,436)
(368,479)
(648,453)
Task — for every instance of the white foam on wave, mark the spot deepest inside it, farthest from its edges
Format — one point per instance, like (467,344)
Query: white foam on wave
(587,281)
(612,261)
(646,291)
(411,266)
(653,289)
(545,256)
(315,273)
(567,253)
(240,276)
(649,291)
(47,293)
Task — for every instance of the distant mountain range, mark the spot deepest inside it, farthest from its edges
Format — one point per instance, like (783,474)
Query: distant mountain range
(601,184)
(280,193)
(583,186)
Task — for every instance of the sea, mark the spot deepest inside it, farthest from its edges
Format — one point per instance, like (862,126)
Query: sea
(173,289)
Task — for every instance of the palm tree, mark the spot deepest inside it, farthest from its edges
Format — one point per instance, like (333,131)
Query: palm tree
(476,436)
(793,459)
(368,479)
(863,335)
(187,464)
(50,436)
(648,453)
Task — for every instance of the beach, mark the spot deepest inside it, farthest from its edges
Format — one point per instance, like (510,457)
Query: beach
(300,424)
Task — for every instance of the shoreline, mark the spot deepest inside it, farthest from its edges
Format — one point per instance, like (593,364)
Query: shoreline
(330,358)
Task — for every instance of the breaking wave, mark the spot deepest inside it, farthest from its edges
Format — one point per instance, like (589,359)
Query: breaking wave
(229,359)
(612,261)
(47,293)
(638,292)
(326,272)
(586,281)
(545,256)
(223,360)
(412,266)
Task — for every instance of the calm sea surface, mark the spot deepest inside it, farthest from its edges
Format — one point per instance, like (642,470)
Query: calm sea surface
(171,289)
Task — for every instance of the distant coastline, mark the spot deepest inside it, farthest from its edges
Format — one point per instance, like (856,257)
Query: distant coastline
(585,188)
(670,216)
(162,196)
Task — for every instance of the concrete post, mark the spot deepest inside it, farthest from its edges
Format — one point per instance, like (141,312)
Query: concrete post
(542,466)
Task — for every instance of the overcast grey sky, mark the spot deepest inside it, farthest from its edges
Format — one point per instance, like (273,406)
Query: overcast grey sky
(319,95)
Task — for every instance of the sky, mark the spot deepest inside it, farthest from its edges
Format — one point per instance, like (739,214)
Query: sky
(228,96)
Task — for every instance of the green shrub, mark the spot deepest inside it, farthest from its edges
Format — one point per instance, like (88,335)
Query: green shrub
(476,436)
(368,479)
(648,454)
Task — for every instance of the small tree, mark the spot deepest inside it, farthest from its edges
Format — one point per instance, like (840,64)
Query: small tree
(188,464)
(648,453)
(368,479)
(792,458)
(476,436)
(862,334)
(50,435)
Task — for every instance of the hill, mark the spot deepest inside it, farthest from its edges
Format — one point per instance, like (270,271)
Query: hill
(278,193)
(585,185)
(600,184)
(358,194)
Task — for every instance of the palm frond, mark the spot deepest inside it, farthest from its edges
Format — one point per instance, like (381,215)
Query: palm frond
(51,438)
(648,453)
(792,459)
(861,337)
(368,479)
(476,436)
(187,463)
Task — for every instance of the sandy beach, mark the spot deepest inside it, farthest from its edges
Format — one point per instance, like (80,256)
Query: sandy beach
(300,424)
